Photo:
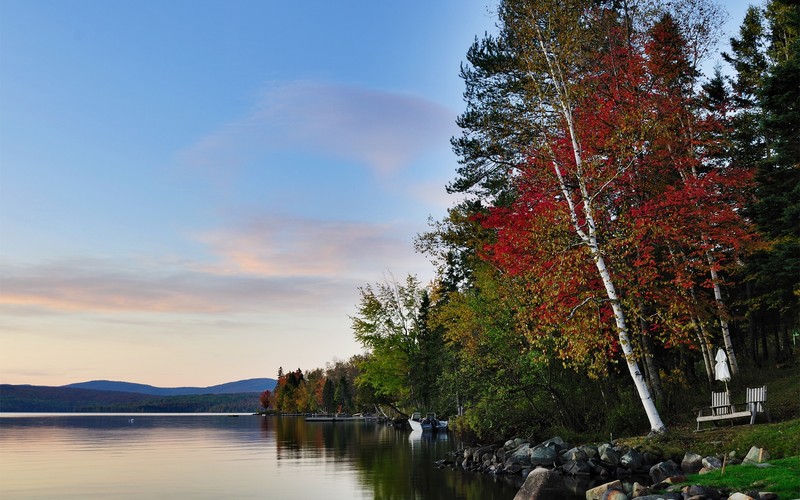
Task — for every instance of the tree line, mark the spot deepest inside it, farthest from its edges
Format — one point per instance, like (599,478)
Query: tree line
(330,390)
(622,217)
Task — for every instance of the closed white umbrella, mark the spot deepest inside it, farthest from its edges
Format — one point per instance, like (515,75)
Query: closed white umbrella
(721,371)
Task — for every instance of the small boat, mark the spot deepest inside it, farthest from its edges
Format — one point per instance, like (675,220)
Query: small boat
(428,424)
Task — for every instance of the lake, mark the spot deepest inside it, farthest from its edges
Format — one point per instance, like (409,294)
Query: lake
(219,456)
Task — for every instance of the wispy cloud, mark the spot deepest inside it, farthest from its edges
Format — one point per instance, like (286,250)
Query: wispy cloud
(267,263)
(273,246)
(381,130)
(74,287)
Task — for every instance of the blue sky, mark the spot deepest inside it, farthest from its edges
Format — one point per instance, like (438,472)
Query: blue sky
(192,191)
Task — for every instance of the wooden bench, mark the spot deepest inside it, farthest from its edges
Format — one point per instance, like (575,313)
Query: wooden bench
(722,409)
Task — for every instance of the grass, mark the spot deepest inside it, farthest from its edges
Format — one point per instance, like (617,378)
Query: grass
(782,477)
(780,439)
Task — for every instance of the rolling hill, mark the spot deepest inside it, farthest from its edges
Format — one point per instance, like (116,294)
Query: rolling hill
(241,386)
(110,396)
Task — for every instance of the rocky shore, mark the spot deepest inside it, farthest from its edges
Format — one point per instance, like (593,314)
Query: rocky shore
(631,473)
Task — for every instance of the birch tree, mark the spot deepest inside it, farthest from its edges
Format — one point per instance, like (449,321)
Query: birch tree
(556,43)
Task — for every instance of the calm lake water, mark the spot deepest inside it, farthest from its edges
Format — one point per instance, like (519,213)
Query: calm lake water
(203,456)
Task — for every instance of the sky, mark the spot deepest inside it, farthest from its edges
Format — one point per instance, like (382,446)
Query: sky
(192,191)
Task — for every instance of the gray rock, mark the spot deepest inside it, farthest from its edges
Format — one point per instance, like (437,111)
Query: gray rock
(631,460)
(691,463)
(478,453)
(523,449)
(577,468)
(610,456)
(712,463)
(590,450)
(756,455)
(520,456)
(662,496)
(598,492)
(663,470)
(574,454)
(541,483)
(637,490)
(556,442)
(704,492)
(544,455)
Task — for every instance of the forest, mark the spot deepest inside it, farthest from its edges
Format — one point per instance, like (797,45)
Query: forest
(621,217)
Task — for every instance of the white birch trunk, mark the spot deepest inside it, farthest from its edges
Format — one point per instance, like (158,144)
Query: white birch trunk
(656,425)
(723,323)
(589,237)
(588,230)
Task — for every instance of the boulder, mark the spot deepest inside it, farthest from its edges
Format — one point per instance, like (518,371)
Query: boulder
(712,463)
(590,450)
(662,496)
(556,442)
(637,490)
(544,455)
(740,496)
(577,454)
(577,468)
(663,470)
(541,483)
(614,495)
(756,455)
(520,456)
(631,460)
(598,492)
(478,453)
(703,492)
(610,456)
(691,463)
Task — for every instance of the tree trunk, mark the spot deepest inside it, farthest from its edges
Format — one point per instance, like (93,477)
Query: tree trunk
(656,425)
(653,377)
(723,322)
(705,347)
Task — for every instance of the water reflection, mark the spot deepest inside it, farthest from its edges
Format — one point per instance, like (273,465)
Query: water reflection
(224,457)
(392,464)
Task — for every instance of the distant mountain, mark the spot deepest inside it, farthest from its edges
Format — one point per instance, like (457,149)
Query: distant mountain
(242,386)
(30,398)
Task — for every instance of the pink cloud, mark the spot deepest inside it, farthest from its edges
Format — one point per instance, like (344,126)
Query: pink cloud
(71,286)
(381,130)
(294,247)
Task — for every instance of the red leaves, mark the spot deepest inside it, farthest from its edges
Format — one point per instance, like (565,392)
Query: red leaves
(662,210)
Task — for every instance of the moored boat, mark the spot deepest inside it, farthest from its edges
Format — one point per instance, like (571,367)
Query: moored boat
(428,424)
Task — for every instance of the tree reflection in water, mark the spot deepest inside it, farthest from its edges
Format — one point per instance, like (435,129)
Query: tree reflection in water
(393,464)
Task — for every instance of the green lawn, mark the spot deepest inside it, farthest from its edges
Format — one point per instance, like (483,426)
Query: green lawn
(781,477)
